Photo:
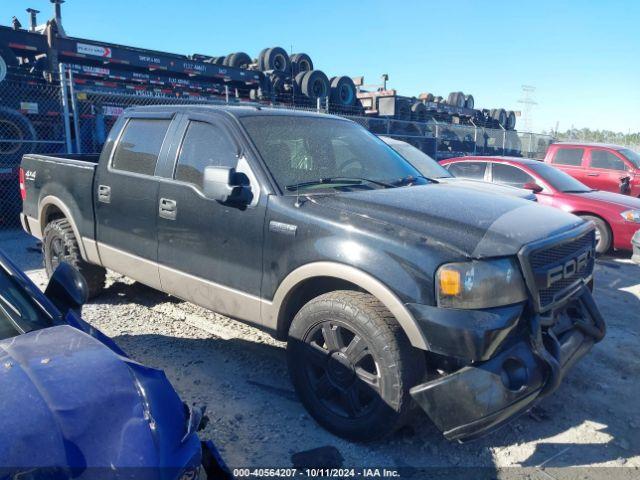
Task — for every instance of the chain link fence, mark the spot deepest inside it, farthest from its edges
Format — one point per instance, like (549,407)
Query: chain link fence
(35,119)
(31,121)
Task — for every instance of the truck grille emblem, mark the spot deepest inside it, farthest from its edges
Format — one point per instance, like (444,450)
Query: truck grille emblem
(569,268)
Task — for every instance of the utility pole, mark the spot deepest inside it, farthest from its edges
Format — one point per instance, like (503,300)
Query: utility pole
(528,103)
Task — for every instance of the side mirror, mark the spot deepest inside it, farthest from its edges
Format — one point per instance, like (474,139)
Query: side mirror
(67,288)
(533,186)
(221,184)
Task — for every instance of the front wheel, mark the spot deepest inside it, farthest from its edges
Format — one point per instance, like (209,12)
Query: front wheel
(603,234)
(352,365)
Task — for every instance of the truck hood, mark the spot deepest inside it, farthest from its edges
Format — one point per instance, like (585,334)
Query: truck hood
(488,187)
(68,401)
(472,223)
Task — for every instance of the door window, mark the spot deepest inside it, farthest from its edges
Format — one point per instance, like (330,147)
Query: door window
(509,175)
(139,146)
(607,160)
(204,145)
(472,170)
(568,156)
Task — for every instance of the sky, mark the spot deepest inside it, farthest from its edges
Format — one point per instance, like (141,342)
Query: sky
(583,57)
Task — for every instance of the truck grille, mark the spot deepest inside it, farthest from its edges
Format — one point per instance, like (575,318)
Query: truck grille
(558,269)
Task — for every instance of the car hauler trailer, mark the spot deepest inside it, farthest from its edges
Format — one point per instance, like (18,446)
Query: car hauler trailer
(35,105)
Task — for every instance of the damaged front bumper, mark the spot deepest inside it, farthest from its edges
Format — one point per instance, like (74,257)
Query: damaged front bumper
(635,243)
(524,365)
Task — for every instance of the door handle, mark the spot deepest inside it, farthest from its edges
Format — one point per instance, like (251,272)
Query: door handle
(168,209)
(593,174)
(104,193)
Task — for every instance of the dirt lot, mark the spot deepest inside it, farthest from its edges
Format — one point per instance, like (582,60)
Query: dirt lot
(239,373)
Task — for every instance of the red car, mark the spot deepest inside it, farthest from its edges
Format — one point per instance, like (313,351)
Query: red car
(598,165)
(617,217)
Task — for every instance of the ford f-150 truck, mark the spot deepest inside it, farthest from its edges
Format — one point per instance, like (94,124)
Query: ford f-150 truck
(389,287)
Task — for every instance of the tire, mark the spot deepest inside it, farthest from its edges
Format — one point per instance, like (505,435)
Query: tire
(418,112)
(469,101)
(359,395)
(301,62)
(277,81)
(426,97)
(456,99)
(500,116)
(240,60)
(511,120)
(276,58)
(3,69)
(60,244)
(315,84)
(219,60)
(604,237)
(261,59)
(15,126)
(343,91)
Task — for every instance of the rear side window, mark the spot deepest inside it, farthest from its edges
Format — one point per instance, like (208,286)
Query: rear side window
(607,160)
(568,156)
(139,146)
(509,175)
(472,170)
(204,145)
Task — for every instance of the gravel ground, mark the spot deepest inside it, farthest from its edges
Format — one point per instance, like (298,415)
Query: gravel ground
(240,374)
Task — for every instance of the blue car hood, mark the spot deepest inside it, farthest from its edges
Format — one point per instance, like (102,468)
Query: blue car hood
(67,400)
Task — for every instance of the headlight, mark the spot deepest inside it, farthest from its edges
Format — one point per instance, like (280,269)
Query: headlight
(631,216)
(480,284)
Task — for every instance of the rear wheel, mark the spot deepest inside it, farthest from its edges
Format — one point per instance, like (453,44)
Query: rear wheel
(59,244)
(604,236)
(352,365)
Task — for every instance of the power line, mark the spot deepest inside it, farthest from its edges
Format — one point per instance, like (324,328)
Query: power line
(528,102)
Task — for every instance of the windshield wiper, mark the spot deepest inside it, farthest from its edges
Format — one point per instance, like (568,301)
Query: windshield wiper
(337,181)
(410,179)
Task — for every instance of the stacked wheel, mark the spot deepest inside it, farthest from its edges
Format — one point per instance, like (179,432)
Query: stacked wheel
(500,116)
(301,62)
(313,84)
(343,92)
(275,58)
(469,102)
(511,120)
(237,60)
(418,112)
(456,99)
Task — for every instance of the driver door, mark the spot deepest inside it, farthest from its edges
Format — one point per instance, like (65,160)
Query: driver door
(209,253)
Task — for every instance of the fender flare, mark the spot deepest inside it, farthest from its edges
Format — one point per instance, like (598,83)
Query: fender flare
(273,312)
(51,200)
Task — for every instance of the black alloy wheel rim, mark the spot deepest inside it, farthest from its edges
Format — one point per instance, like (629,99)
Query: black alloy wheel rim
(59,252)
(342,371)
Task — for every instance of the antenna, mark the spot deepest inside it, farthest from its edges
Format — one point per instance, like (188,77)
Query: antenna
(528,102)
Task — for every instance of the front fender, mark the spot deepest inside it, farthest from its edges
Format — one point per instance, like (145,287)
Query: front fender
(272,312)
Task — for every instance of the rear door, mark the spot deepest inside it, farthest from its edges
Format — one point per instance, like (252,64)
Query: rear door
(570,159)
(606,169)
(126,194)
(210,253)
(470,170)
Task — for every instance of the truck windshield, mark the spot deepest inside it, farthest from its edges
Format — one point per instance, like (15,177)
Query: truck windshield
(561,181)
(309,150)
(632,156)
(19,313)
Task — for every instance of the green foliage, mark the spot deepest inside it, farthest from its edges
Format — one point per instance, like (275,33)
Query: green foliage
(602,136)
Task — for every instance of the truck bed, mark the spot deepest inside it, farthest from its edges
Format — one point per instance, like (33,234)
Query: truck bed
(68,178)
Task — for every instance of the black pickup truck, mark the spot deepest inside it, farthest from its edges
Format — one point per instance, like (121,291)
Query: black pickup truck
(389,287)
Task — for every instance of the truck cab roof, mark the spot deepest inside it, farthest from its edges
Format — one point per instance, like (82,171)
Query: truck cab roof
(235,110)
